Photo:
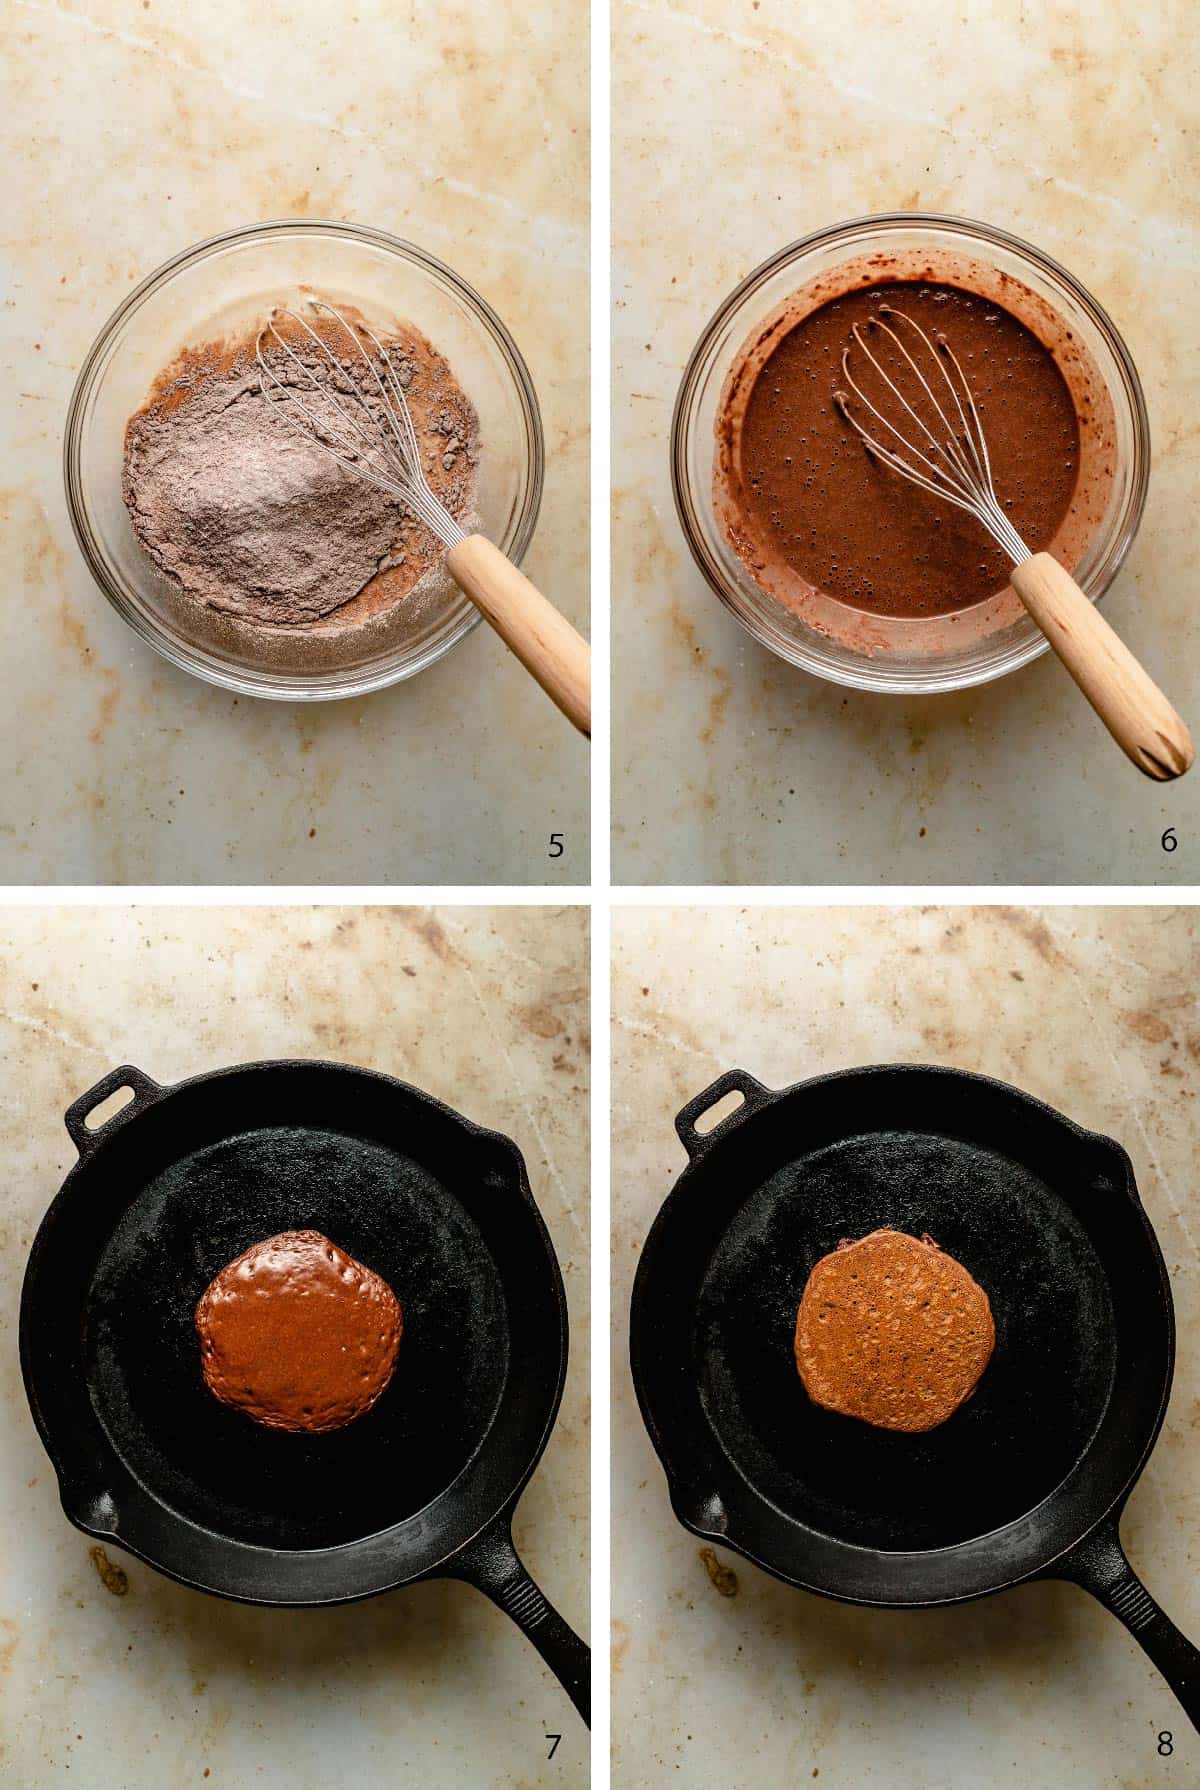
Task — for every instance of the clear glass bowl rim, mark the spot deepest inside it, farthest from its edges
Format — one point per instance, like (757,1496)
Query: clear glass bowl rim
(914,682)
(362,679)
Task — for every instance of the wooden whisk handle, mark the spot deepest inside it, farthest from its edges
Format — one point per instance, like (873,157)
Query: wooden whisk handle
(1125,697)
(545,642)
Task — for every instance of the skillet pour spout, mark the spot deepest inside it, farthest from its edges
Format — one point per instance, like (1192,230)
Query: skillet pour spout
(179,1182)
(1027,1479)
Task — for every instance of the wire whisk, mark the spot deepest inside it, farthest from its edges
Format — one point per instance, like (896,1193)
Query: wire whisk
(353,405)
(938,444)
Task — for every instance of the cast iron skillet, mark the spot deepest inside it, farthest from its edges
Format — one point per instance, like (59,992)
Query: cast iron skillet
(168,1191)
(1029,1478)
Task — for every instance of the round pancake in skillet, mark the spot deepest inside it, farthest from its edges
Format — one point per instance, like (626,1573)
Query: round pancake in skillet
(893,1331)
(298,1335)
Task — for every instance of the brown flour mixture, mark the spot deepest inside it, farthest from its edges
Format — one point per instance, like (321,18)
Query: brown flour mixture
(249,516)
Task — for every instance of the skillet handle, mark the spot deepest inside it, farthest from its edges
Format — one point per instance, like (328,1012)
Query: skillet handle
(493,1566)
(734,1081)
(1098,1563)
(144,1092)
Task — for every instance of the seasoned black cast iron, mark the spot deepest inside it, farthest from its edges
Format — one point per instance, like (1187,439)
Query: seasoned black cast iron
(181,1181)
(1029,1478)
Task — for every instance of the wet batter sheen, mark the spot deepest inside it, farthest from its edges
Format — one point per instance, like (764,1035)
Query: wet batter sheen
(893,1331)
(298,1335)
(810,495)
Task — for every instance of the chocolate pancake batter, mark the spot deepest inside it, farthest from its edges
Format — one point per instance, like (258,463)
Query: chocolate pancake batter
(809,495)
(893,1331)
(298,1335)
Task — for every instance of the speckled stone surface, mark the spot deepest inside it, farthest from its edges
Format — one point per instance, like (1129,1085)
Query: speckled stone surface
(1093,1010)
(138,1684)
(130,129)
(741,126)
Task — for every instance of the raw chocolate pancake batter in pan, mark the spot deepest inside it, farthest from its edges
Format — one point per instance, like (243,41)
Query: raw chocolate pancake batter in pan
(298,1335)
(423,1210)
(809,495)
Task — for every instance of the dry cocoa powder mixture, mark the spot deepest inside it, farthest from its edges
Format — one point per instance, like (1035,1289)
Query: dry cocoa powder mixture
(255,523)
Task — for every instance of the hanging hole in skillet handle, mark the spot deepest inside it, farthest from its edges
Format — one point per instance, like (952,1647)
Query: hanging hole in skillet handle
(1099,1565)
(491,1563)
(695,1137)
(90,1118)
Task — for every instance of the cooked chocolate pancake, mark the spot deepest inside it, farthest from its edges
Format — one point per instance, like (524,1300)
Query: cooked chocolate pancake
(893,1331)
(298,1335)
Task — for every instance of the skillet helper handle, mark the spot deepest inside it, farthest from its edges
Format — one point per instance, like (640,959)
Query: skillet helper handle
(1123,694)
(144,1091)
(1100,1566)
(734,1081)
(543,640)
(491,1563)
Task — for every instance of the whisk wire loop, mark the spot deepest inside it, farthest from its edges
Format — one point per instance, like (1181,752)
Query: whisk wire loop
(957,447)
(972,431)
(937,446)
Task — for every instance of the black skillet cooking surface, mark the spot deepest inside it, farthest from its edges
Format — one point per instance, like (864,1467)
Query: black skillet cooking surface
(1029,1477)
(175,1186)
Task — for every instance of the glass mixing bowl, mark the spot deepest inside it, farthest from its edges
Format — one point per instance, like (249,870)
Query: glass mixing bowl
(988,646)
(227,284)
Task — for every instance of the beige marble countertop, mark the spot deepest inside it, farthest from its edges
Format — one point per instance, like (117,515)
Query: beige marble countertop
(741,125)
(1093,1010)
(163,1686)
(130,129)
